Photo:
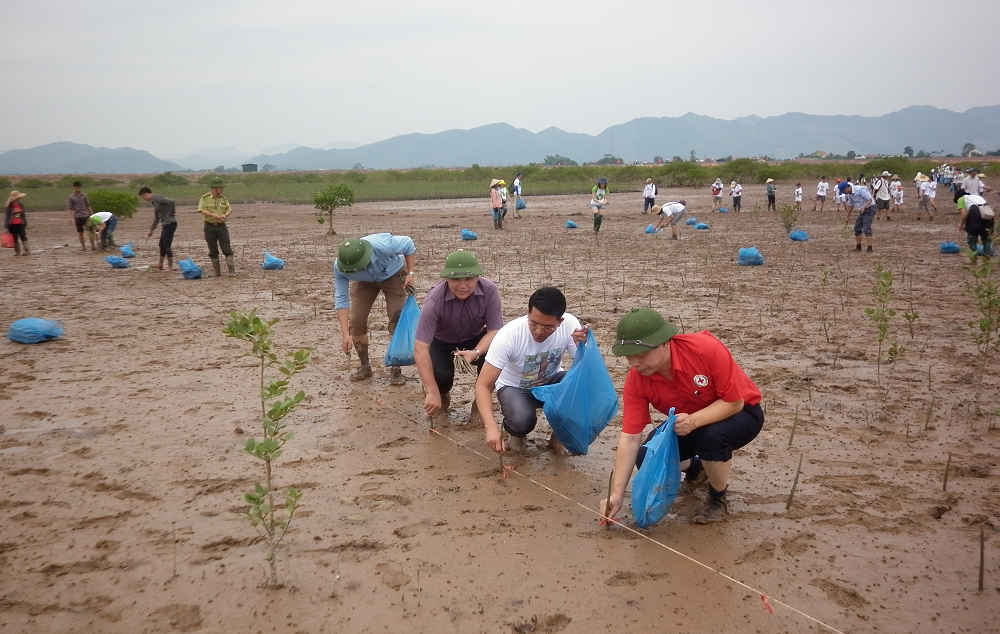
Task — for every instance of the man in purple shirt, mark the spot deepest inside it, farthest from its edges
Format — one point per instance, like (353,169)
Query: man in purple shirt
(860,200)
(460,317)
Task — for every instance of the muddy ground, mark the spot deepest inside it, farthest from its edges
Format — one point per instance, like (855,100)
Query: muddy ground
(123,478)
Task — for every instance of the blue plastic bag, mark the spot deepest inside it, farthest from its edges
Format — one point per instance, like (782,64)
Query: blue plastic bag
(702,226)
(520,204)
(750,256)
(189,269)
(34,330)
(799,235)
(468,234)
(650,229)
(127,251)
(723,210)
(949,247)
(272,263)
(400,350)
(655,485)
(571,225)
(691,221)
(116,262)
(580,406)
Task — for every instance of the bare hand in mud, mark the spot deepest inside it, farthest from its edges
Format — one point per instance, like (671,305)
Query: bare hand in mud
(493,439)
(608,513)
(345,345)
(432,404)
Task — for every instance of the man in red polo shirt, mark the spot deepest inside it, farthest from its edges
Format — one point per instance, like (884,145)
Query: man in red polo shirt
(717,405)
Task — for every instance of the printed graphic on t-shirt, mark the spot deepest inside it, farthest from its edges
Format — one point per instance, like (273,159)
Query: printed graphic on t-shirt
(539,367)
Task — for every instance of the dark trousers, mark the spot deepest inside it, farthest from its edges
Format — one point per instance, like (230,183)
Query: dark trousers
(520,408)
(770,203)
(443,361)
(20,232)
(167,239)
(217,237)
(716,442)
(737,200)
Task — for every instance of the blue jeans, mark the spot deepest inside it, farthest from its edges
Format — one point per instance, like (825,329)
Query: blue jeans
(520,408)
(497,214)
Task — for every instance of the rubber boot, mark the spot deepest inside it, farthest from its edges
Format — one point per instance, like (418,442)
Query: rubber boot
(500,224)
(231,263)
(715,510)
(216,267)
(24,248)
(396,376)
(598,218)
(365,370)
(170,263)
(17,248)
(495,223)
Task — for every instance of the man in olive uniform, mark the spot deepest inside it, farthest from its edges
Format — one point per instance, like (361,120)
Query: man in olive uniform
(216,209)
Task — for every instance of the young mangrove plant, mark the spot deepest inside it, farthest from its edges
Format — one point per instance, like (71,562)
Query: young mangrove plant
(789,217)
(271,518)
(881,313)
(985,290)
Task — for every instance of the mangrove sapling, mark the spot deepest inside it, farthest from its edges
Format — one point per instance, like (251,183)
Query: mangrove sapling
(328,199)
(880,313)
(824,276)
(789,217)
(271,519)
(985,290)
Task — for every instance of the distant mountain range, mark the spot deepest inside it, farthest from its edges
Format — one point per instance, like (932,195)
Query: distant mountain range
(785,136)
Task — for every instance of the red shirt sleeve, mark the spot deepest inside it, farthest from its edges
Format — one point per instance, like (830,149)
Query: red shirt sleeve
(635,415)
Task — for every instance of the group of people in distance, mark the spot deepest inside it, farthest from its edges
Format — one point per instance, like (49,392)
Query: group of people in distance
(718,405)
(499,195)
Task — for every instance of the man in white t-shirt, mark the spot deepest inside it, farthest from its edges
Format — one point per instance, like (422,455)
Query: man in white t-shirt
(821,190)
(525,353)
(670,214)
(931,191)
(517,194)
(880,189)
(971,182)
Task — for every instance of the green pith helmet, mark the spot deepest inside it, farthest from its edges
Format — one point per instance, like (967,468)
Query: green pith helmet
(353,255)
(461,265)
(216,182)
(639,331)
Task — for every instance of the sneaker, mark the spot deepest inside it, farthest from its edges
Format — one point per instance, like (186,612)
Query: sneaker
(362,373)
(515,444)
(396,376)
(715,510)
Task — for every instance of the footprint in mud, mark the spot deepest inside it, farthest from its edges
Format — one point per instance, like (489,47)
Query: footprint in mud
(393,575)
(627,578)
(406,532)
(763,552)
(547,624)
(844,597)
(797,545)
(177,616)
(399,442)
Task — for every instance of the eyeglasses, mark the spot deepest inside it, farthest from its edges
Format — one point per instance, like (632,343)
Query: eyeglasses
(542,327)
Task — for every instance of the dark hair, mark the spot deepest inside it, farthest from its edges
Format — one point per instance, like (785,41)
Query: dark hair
(958,194)
(77,184)
(145,190)
(548,300)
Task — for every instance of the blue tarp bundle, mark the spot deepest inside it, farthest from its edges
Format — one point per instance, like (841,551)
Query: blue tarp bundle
(571,225)
(650,229)
(799,235)
(750,256)
(691,221)
(189,269)
(34,330)
(658,479)
(702,226)
(468,234)
(723,210)
(272,263)
(116,262)
(580,406)
(127,251)
(949,247)
(400,350)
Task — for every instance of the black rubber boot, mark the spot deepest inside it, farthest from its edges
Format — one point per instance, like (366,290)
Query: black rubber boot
(716,509)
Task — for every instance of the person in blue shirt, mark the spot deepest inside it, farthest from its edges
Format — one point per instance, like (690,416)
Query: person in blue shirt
(378,263)
(859,199)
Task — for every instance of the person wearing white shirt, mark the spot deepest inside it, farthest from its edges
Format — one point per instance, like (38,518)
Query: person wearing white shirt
(517,194)
(922,197)
(896,189)
(821,190)
(880,189)
(736,191)
(670,214)
(931,192)
(648,195)
(525,353)
(798,196)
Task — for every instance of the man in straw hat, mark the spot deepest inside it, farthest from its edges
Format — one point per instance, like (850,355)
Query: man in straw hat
(772,194)
(459,318)
(923,198)
(15,221)
(216,209)
(496,203)
(717,405)
(526,353)
(670,214)
(377,263)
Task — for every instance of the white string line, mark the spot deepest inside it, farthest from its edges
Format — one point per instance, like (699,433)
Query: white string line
(765,598)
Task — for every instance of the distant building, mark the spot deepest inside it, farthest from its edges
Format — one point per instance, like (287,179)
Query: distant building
(249,167)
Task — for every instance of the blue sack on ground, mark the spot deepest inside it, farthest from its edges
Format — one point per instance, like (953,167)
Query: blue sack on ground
(34,330)
(949,247)
(571,225)
(655,485)
(272,263)
(580,406)
(116,262)
(650,229)
(520,204)
(702,226)
(400,350)
(127,251)
(750,257)
(799,235)
(691,221)
(468,234)
(189,269)
(723,210)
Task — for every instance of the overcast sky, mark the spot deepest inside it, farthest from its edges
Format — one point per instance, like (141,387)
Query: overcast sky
(172,76)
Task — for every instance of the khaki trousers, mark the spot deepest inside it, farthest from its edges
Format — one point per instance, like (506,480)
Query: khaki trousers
(363,296)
